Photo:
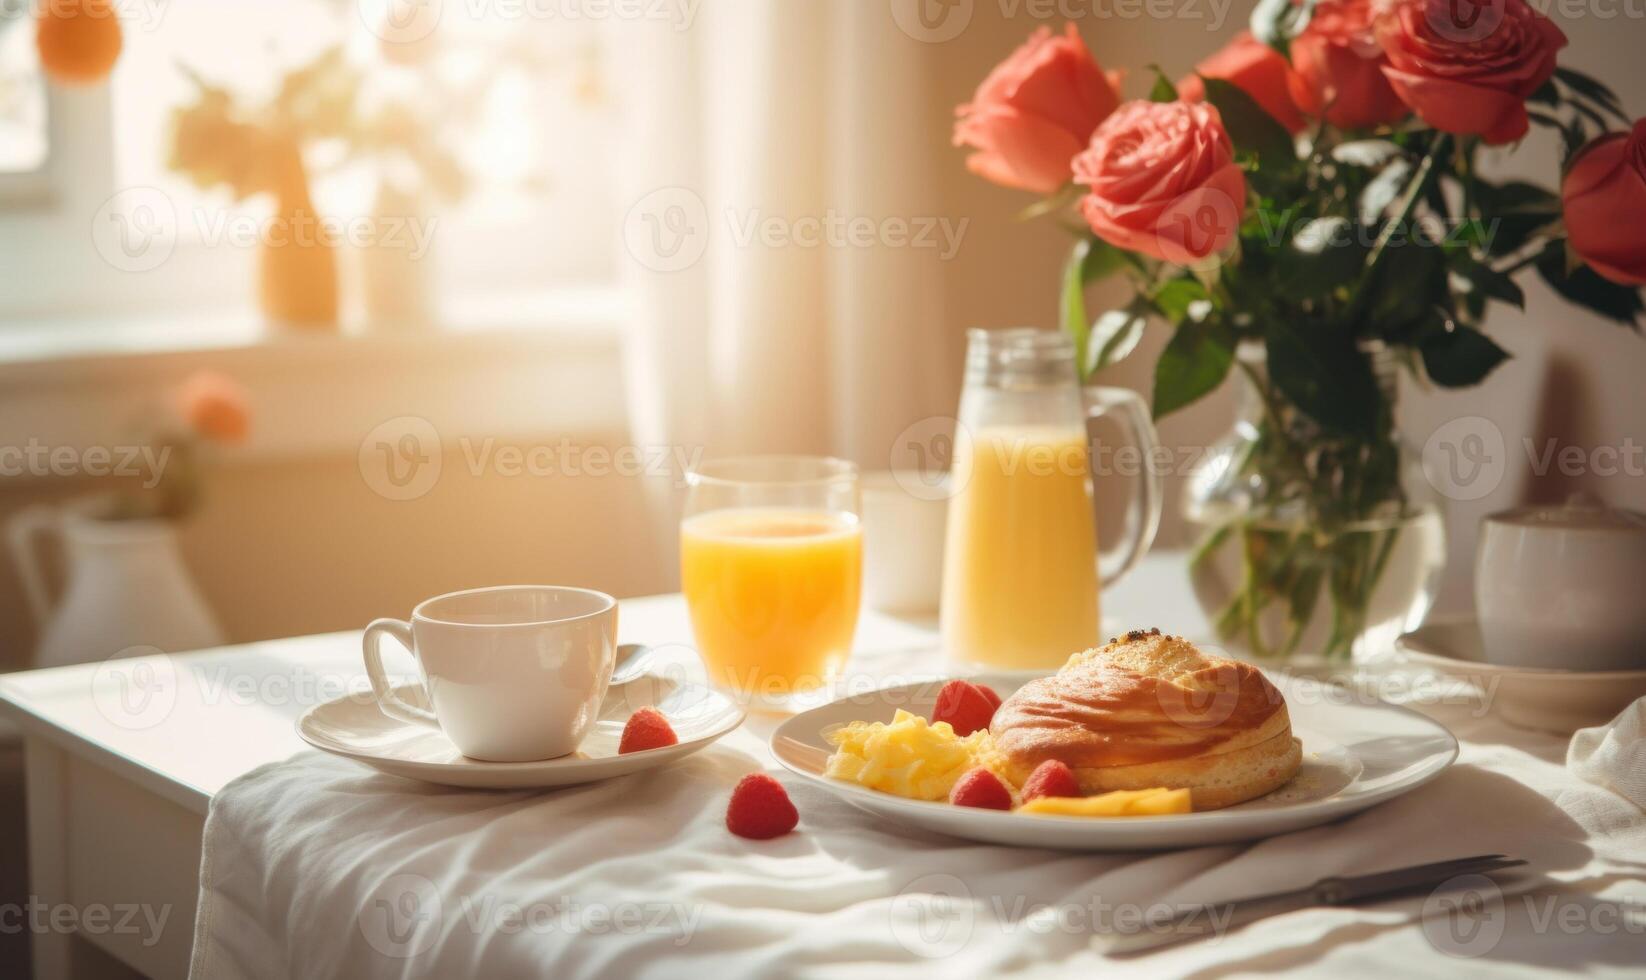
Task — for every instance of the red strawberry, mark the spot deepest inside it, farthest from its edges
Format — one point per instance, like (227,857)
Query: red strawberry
(1051,778)
(760,808)
(646,729)
(964,706)
(981,788)
(988,692)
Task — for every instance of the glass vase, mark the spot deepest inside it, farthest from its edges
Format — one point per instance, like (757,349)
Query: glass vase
(1312,546)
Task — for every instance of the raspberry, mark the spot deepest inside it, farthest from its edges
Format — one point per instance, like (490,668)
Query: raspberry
(964,706)
(981,788)
(760,808)
(1051,778)
(646,729)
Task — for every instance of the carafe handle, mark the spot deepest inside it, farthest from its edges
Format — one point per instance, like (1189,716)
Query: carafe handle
(1143,516)
(23,533)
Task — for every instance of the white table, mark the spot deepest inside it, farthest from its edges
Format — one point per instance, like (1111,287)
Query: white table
(124,757)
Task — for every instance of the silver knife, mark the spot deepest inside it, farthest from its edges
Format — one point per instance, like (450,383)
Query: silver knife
(1199,921)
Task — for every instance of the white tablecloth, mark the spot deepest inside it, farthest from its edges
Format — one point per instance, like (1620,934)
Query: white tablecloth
(317,867)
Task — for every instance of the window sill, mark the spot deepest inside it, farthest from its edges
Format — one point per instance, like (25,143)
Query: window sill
(509,367)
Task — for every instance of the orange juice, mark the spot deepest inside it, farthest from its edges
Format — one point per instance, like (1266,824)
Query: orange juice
(1020,570)
(773,594)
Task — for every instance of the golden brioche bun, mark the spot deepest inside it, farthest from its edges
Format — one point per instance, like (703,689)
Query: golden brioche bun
(1149,710)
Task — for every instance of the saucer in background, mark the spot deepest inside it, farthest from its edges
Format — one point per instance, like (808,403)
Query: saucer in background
(1559,701)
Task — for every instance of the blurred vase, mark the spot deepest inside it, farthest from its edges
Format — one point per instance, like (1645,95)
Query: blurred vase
(299,262)
(125,586)
(1312,547)
(395,284)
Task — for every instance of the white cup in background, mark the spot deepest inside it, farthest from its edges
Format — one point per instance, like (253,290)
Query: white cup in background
(515,673)
(902,542)
(1560,587)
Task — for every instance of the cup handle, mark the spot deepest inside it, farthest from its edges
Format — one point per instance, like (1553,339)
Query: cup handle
(1143,517)
(24,533)
(387,701)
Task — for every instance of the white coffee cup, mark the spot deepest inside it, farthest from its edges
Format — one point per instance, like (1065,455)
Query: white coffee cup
(1560,587)
(514,674)
(904,519)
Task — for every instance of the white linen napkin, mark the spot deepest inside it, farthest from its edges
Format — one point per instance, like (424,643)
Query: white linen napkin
(318,867)
(1614,755)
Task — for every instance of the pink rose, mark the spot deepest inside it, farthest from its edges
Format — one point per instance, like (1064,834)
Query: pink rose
(1604,197)
(1162,181)
(1035,111)
(1337,68)
(1253,67)
(1469,77)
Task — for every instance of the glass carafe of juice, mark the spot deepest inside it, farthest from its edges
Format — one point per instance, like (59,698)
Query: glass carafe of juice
(1022,568)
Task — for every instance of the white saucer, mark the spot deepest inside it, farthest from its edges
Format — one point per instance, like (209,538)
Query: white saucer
(353,727)
(1559,701)
(1355,755)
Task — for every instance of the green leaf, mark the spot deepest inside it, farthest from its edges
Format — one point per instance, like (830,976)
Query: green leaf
(1325,253)
(1319,368)
(1412,275)
(1593,90)
(1073,300)
(1514,213)
(1252,129)
(1115,334)
(1090,260)
(1459,357)
(1194,363)
(1588,289)
(1546,94)
(1175,298)
(1491,283)
(1163,90)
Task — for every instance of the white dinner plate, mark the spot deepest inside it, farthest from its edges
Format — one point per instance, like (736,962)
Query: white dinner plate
(353,727)
(1559,701)
(1355,754)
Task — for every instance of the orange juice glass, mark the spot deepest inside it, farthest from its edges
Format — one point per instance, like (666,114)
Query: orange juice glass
(771,562)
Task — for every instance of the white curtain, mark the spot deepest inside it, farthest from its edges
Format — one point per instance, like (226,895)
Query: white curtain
(786,113)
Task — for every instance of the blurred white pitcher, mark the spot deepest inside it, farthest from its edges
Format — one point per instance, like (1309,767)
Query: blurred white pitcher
(125,586)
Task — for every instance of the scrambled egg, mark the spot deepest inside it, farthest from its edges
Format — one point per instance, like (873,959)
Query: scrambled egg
(910,757)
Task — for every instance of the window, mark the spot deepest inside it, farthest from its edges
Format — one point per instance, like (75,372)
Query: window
(514,96)
(22,98)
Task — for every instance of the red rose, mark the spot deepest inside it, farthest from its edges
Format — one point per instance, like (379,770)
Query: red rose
(1163,181)
(1256,69)
(1604,197)
(1337,68)
(1469,76)
(1035,111)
